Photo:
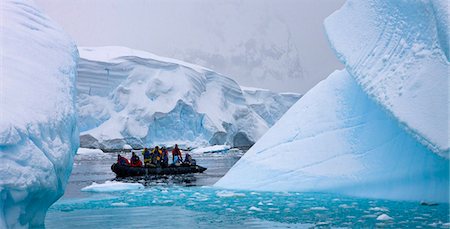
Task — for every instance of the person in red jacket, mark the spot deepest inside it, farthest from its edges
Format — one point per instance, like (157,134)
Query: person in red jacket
(135,161)
(122,160)
(176,155)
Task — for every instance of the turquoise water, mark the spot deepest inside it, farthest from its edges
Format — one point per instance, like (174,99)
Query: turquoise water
(190,202)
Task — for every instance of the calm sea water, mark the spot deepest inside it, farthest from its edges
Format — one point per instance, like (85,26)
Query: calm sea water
(189,201)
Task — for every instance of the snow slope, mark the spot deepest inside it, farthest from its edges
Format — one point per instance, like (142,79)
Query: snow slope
(268,104)
(376,129)
(133,97)
(38,132)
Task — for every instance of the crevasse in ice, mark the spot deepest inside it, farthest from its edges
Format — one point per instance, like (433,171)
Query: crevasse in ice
(38,132)
(377,129)
(133,97)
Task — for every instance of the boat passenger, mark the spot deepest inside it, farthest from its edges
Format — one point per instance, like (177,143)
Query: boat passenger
(165,157)
(122,160)
(188,160)
(147,156)
(176,155)
(135,161)
(156,156)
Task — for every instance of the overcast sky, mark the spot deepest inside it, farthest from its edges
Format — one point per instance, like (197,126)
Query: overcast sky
(275,44)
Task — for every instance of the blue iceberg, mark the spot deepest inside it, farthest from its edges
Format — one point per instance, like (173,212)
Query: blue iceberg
(38,131)
(377,129)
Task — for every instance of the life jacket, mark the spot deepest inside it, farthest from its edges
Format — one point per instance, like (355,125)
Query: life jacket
(165,156)
(146,154)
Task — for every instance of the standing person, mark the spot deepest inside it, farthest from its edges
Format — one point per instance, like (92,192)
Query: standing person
(147,156)
(165,157)
(188,160)
(176,155)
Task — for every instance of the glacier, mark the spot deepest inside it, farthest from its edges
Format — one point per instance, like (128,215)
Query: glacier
(378,128)
(38,121)
(131,97)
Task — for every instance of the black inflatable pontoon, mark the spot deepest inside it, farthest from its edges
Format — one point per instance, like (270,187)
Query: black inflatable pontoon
(128,171)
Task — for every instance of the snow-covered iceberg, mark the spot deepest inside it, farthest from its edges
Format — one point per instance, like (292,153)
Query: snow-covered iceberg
(377,129)
(133,97)
(38,129)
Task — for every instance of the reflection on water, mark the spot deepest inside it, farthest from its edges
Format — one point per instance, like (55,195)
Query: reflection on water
(187,202)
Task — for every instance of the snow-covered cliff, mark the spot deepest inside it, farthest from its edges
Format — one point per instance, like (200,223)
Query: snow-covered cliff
(133,97)
(377,129)
(38,131)
(268,104)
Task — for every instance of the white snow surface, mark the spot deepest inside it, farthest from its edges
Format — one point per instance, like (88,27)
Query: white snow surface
(38,131)
(398,53)
(112,186)
(211,149)
(377,129)
(132,97)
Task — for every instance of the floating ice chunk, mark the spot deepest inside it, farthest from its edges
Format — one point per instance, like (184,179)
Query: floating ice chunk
(319,209)
(345,206)
(253,208)
(229,194)
(321,224)
(90,152)
(212,149)
(384,217)
(112,186)
(380,209)
(119,204)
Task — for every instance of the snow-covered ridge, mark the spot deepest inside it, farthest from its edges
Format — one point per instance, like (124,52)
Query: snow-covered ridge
(145,99)
(116,54)
(38,131)
(378,128)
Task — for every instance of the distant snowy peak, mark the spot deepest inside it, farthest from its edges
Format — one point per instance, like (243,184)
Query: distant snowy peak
(132,97)
(400,60)
(268,104)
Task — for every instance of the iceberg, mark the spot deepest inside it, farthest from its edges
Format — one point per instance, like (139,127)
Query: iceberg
(136,98)
(112,186)
(403,63)
(377,129)
(211,149)
(38,131)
